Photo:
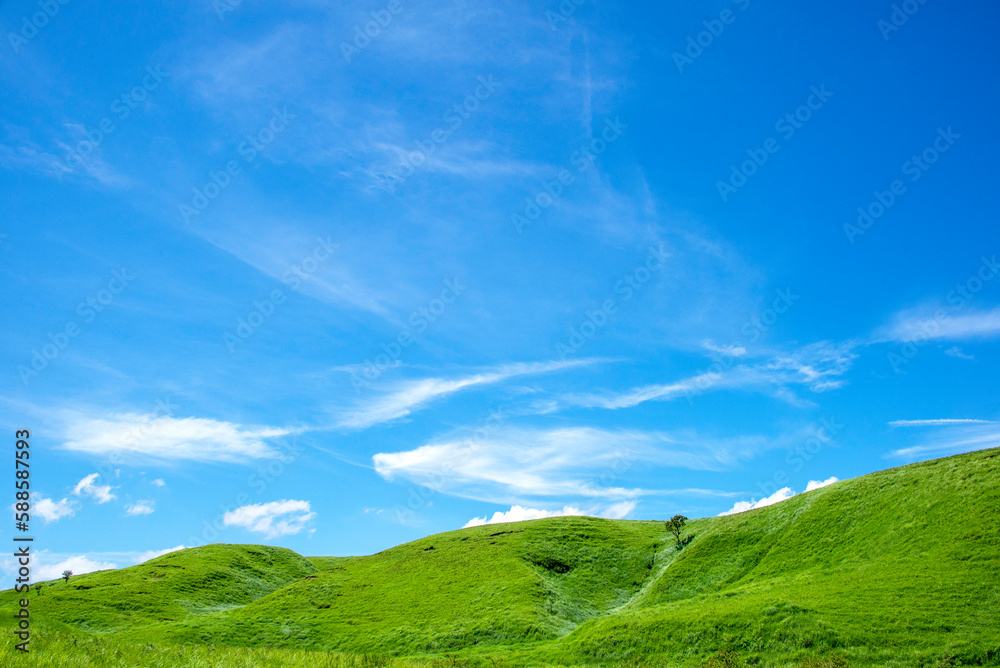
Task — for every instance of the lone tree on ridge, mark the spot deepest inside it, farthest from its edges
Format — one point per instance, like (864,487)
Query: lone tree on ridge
(66,575)
(675,525)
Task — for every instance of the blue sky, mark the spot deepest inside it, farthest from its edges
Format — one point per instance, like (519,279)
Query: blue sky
(272,279)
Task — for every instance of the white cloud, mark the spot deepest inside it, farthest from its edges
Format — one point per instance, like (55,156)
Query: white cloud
(278,518)
(936,423)
(140,508)
(742,506)
(520,514)
(617,511)
(782,494)
(27,155)
(167,438)
(158,482)
(646,393)
(153,554)
(412,395)
(78,564)
(817,484)
(517,464)
(100,493)
(730,350)
(471,160)
(949,437)
(921,324)
(53,511)
(955,351)
(818,366)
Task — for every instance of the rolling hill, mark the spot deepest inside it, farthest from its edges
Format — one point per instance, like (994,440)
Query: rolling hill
(900,567)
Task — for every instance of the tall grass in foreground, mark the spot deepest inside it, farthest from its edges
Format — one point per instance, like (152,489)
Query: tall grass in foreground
(57,650)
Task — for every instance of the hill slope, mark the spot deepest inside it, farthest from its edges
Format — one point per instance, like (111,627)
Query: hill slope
(898,566)
(172,587)
(488,585)
(900,562)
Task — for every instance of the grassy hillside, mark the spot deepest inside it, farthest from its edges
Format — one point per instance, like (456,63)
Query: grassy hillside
(904,562)
(173,587)
(901,567)
(483,586)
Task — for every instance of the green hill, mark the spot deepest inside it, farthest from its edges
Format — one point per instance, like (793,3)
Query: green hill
(900,567)
(488,585)
(900,563)
(174,587)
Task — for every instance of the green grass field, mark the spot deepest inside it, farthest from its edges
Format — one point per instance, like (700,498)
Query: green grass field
(897,568)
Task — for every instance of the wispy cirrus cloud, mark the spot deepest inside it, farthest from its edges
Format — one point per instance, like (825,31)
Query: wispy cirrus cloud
(407,397)
(165,438)
(937,423)
(949,436)
(656,392)
(955,351)
(731,350)
(924,323)
(24,154)
(518,464)
(818,367)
